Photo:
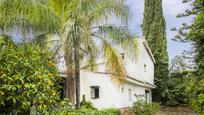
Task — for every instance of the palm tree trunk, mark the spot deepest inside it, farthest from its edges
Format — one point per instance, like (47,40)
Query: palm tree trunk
(70,91)
(77,68)
(77,76)
(70,81)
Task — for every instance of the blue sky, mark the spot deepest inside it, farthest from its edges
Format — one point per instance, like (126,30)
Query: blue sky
(171,8)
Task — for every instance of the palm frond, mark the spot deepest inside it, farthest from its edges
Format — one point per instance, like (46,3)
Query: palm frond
(114,63)
(90,46)
(104,9)
(27,16)
(64,8)
(66,34)
(121,37)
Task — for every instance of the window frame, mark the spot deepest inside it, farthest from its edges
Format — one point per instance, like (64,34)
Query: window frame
(147,95)
(130,94)
(145,68)
(95,92)
(122,89)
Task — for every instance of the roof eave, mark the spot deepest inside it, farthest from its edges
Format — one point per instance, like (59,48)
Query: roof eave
(148,50)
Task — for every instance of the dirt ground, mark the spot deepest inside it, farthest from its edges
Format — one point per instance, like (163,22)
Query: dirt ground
(179,110)
(176,111)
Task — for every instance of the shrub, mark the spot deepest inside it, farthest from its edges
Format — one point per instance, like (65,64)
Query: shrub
(197,96)
(177,93)
(86,108)
(61,108)
(28,77)
(86,105)
(141,107)
(64,110)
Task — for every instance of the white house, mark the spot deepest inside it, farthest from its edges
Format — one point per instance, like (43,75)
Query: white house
(103,93)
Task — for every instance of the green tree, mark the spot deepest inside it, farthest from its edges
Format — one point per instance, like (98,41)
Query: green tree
(154,30)
(28,77)
(177,87)
(195,34)
(82,28)
(181,73)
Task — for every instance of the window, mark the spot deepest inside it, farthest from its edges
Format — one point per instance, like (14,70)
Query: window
(145,67)
(130,94)
(147,95)
(122,55)
(94,92)
(122,89)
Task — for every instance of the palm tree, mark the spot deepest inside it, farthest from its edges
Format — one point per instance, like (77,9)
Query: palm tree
(27,17)
(82,29)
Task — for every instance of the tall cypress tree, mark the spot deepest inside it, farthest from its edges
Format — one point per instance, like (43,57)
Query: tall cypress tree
(154,30)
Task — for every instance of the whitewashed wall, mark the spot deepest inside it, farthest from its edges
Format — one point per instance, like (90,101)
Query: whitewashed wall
(110,94)
(136,68)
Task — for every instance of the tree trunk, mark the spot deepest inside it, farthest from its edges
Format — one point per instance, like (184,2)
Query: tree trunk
(77,77)
(77,71)
(70,88)
(70,80)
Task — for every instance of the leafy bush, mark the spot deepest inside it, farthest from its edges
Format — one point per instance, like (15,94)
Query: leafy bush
(28,77)
(86,105)
(141,107)
(177,85)
(196,89)
(86,108)
(60,108)
(188,89)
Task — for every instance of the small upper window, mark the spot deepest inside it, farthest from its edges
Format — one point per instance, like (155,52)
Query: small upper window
(94,92)
(122,89)
(122,55)
(130,94)
(145,68)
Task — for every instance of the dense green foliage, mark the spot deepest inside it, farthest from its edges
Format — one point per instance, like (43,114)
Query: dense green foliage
(86,105)
(181,73)
(141,107)
(28,77)
(195,34)
(177,88)
(154,30)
